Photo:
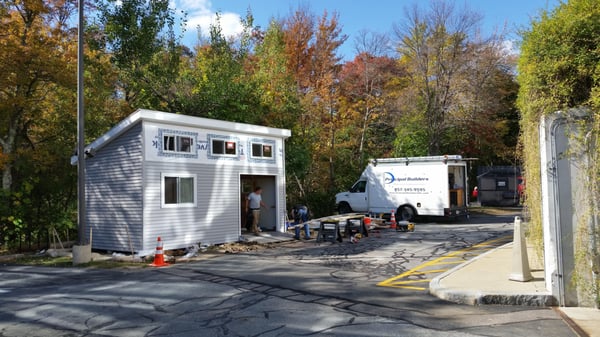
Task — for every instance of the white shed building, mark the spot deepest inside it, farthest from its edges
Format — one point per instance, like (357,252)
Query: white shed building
(182,178)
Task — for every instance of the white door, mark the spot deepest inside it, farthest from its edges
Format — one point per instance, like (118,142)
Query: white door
(357,196)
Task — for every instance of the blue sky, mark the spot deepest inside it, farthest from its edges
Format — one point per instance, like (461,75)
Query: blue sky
(355,15)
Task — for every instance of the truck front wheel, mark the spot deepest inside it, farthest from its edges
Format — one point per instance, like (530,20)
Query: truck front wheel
(406,213)
(344,208)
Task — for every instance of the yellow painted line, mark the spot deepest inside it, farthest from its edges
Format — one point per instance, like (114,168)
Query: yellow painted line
(448,262)
(406,287)
(413,281)
(432,271)
(391,282)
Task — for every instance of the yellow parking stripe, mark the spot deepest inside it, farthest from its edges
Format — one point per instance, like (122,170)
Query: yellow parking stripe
(431,271)
(449,262)
(395,283)
(414,281)
(405,287)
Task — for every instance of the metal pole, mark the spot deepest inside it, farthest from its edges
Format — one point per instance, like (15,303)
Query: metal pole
(80,131)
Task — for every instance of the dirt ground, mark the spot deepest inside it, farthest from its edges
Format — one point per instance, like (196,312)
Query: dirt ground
(107,259)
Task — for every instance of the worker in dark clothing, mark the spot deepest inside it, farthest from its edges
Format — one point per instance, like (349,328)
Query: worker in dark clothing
(300,215)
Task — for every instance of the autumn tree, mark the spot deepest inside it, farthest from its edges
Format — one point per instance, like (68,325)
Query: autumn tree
(33,42)
(366,85)
(37,59)
(435,46)
(278,95)
(298,37)
(311,44)
(485,122)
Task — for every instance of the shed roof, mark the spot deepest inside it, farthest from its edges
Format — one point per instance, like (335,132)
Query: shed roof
(182,120)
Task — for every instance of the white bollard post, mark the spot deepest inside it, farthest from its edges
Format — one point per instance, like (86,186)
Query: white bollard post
(520,262)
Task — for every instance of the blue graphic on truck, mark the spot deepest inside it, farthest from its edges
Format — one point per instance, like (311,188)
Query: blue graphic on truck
(388,177)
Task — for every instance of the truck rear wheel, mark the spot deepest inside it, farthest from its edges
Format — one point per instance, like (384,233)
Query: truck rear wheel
(344,208)
(406,213)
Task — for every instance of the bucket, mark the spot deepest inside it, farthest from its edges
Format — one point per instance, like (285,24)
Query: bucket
(367,222)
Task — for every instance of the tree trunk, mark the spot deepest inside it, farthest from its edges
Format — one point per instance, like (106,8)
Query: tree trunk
(8,144)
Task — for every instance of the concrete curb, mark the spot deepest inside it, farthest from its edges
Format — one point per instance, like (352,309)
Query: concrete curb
(476,296)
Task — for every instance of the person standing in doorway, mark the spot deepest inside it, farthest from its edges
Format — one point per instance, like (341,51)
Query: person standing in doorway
(254,203)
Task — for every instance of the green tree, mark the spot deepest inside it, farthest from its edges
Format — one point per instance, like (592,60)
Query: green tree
(278,95)
(277,89)
(139,35)
(223,85)
(559,69)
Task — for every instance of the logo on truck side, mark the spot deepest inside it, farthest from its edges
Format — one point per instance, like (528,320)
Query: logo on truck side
(388,178)
(405,185)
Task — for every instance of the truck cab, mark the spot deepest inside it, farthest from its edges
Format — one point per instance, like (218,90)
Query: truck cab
(355,196)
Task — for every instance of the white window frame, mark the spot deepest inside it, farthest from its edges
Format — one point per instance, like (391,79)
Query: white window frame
(262,147)
(177,143)
(178,175)
(224,141)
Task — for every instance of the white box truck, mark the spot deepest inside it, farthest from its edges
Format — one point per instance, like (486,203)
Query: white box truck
(411,187)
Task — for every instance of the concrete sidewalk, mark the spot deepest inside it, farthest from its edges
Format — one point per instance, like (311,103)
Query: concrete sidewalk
(485,280)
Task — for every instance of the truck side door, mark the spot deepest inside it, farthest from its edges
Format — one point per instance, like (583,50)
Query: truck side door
(357,198)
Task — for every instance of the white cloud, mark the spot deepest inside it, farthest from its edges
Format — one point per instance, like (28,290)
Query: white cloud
(201,14)
(510,47)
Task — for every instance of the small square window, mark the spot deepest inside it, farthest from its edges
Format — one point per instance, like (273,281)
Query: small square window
(267,151)
(185,144)
(256,150)
(262,150)
(178,190)
(224,147)
(218,147)
(177,143)
(230,148)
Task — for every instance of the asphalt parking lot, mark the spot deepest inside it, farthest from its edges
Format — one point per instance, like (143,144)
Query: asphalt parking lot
(289,288)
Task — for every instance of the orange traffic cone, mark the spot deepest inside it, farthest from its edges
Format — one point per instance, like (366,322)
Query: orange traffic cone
(367,222)
(159,259)
(393,221)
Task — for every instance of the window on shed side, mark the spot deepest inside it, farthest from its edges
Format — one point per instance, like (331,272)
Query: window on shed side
(179,190)
(225,147)
(175,143)
(260,150)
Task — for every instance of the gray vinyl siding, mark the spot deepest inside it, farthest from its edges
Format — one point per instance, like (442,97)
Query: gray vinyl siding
(214,220)
(114,193)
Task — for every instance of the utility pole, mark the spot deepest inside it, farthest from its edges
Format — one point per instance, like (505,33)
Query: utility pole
(81,252)
(80,131)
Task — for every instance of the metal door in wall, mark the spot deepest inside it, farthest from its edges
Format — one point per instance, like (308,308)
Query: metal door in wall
(563,228)
(570,202)
(268,216)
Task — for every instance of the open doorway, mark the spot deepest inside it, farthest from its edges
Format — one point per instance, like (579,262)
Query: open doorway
(268,216)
